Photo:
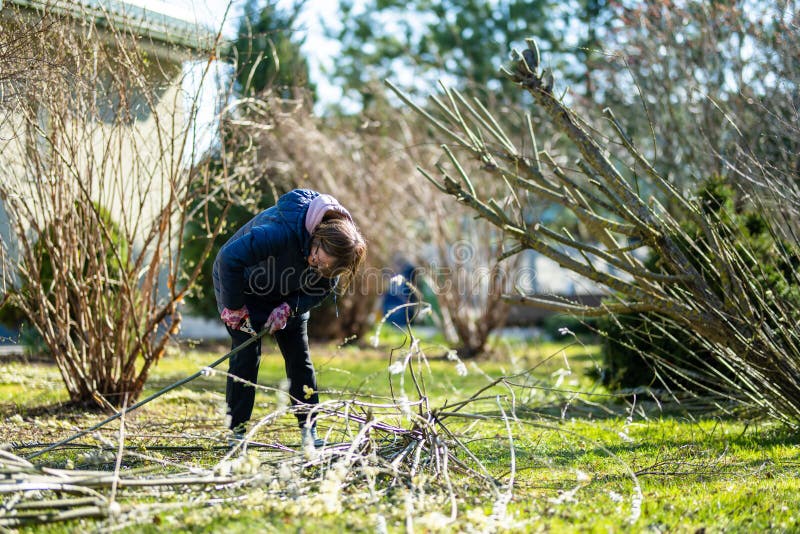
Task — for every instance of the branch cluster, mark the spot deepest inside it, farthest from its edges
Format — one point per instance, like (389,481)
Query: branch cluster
(718,299)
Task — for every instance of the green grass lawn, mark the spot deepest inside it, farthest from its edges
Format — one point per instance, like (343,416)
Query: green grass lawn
(589,461)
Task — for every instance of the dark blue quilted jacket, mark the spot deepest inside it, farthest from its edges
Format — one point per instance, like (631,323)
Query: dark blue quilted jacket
(265,262)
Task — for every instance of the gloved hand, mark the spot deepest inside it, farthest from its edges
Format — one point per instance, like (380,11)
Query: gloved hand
(234,318)
(278,318)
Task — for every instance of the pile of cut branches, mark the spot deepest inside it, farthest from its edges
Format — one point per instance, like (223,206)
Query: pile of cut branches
(395,458)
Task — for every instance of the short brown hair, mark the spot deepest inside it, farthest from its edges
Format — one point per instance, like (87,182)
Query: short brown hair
(340,238)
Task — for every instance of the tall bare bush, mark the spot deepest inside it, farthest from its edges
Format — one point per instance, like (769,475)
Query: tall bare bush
(470,274)
(94,144)
(700,82)
(718,300)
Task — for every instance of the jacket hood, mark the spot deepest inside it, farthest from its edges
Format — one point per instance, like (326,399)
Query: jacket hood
(317,209)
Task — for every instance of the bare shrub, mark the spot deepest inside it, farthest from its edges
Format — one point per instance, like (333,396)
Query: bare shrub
(719,300)
(96,193)
(697,82)
(469,272)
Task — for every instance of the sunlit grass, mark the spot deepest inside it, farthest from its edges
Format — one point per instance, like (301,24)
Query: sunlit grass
(576,456)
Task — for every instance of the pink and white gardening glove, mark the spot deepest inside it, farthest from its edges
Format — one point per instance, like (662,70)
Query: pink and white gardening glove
(234,318)
(278,318)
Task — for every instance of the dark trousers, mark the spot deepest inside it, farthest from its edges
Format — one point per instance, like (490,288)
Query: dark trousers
(293,343)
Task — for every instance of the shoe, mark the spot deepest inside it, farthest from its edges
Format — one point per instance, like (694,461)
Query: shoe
(309,436)
(236,436)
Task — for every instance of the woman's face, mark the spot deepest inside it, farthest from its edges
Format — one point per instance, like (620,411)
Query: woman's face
(320,260)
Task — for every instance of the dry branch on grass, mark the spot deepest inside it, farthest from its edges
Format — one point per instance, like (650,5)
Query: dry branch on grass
(396,456)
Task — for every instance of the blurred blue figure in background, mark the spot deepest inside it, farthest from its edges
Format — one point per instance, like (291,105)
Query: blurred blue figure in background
(400,292)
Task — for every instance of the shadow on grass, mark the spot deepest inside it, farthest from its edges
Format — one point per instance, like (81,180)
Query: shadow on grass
(198,385)
(64,410)
(655,404)
(695,441)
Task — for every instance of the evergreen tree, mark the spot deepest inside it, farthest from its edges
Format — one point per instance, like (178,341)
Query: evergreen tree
(267,50)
